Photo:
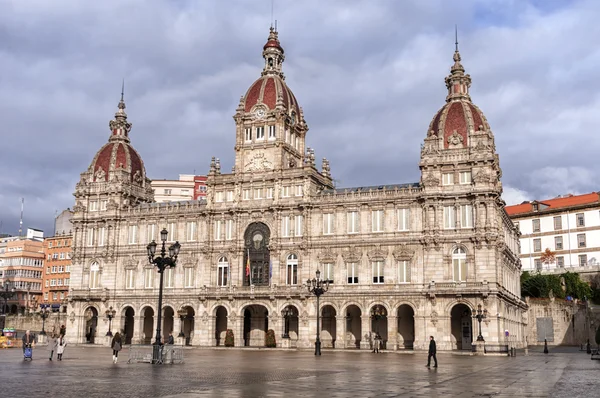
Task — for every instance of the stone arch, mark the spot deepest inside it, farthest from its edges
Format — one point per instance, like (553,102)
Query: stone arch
(221,314)
(255,302)
(256,324)
(188,323)
(405,314)
(168,317)
(291,321)
(90,324)
(257,236)
(353,315)
(128,322)
(328,325)
(147,313)
(351,303)
(452,303)
(378,313)
(461,326)
(213,309)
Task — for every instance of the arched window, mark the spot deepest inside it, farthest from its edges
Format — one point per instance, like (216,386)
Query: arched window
(94,275)
(291,274)
(459,264)
(222,271)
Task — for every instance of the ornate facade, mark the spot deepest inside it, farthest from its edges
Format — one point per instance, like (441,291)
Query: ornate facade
(405,261)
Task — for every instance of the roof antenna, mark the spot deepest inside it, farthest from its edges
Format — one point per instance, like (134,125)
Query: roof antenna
(456,37)
(272,6)
(122,89)
(275,25)
(21,219)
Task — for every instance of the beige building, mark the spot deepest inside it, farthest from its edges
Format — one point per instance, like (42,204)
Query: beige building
(188,187)
(405,260)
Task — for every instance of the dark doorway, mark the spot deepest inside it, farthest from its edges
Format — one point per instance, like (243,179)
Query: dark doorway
(128,325)
(91,324)
(256,243)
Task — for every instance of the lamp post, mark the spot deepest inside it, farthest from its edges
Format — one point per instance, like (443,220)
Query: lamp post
(317,286)
(44,313)
(286,313)
(110,314)
(182,314)
(6,292)
(480,315)
(162,262)
(28,287)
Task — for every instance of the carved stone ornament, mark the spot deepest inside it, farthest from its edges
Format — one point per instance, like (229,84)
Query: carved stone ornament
(351,255)
(430,180)
(434,317)
(100,173)
(376,254)
(137,177)
(481,177)
(455,140)
(259,163)
(130,263)
(402,253)
(78,207)
(327,256)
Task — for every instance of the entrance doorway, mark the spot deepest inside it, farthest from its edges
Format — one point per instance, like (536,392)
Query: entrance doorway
(220,325)
(256,243)
(168,315)
(91,324)
(406,327)
(353,326)
(256,324)
(148,322)
(461,324)
(128,324)
(328,326)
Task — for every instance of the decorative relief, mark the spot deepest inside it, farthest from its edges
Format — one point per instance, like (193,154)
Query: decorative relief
(259,162)
(100,174)
(327,256)
(137,177)
(403,252)
(434,317)
(481,177)
(430,180)
(130,263)
(351,255)
(455,140)
(377,254)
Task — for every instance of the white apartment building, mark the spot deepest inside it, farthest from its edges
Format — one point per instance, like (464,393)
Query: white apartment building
(569,226)
(188,187)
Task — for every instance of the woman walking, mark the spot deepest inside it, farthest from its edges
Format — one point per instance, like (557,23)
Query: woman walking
(61,343)
(116,346)
(51,344)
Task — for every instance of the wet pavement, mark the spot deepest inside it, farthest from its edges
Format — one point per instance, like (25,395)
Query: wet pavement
(89,372)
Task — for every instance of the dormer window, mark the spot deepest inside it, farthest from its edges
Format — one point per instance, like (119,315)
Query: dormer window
(270,62)
(536,207)
(260,133)
(271,132)
(248,134)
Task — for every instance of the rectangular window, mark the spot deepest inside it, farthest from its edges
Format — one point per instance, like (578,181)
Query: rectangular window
(403,271)
(167,191)
(269,193)
(537,245)
(218,197)
(59,282)
(582,260)
(172,237)
(352,220)
(129,281)
(47,283)
(168,278)
(218,229)
(271,132)
(352,273)
(149,278)
(377,220)
(298,190)
(248,134)
(560,261)
(403,219)
(54,295)
(538,264)
(448,179)
(466,216)
(151,233)
(93,206)
(580,220)
(228,229)
(185,192)
(68,268)
(90,236)
(298,225)
(291,272)
(188,277)
(557,223)
(190,231)
(558,243)
(377,272)
(449,217)
(230,196)
(132,234)
(94,276)
(46,296)
(536,225)
(327,224)
(246,194)
(222,274)
(580,240)
(285,226)
(459,265)
(103,204)
(260,133)
(327,272)
(285,192)
(101,232)
(257,193)
(50,245)
(465,177)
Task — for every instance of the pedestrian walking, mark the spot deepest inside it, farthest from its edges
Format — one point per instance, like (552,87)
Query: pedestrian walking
(28,343)
(377,343)
(432,352)
(171,340)
(63,330)
(116,345)
(61,343)
(51,344)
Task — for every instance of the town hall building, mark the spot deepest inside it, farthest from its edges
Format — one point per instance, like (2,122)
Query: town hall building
(404,261)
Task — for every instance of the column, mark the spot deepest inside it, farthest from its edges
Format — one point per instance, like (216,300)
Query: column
(138,326)
(392,329)
(340,331)
(365,329)
(237,325)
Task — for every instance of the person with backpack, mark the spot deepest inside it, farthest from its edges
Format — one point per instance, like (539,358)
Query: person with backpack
(116,345)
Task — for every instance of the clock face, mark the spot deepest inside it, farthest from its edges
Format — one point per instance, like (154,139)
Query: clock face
(260,112)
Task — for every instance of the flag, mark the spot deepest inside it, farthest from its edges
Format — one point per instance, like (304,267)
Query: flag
(248,264)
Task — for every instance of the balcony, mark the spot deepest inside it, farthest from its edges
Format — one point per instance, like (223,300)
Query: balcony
(89,294)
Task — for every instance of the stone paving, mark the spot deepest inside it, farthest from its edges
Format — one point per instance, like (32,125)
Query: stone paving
(89,372)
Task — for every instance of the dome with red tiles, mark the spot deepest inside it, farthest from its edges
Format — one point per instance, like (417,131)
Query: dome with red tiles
(459,116)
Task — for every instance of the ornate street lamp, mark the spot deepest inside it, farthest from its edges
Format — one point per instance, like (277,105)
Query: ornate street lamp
(182,314)
(377,312)
(286,313)
(480,315)
(162,262)
(6,292)
(110,314)
(317,286)
(44,314)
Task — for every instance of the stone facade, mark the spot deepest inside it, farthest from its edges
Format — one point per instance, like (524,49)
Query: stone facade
(406,261)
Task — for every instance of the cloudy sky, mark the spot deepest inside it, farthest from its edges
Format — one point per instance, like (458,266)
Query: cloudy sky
(369,75)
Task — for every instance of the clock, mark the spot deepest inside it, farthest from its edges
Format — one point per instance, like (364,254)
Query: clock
(260,113)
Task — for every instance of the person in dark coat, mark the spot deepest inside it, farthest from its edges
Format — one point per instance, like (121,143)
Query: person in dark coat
(432,351)
(28,340)
(116,345)
(171,340)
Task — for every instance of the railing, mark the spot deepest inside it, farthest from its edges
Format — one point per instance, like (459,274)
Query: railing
(493,348)
(168,354)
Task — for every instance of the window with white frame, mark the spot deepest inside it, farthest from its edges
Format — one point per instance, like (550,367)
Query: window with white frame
(285,226)
(94,275)
(538,264)
(298,190)
(537,245)
(535,225)
(149,278)
(188,277)
(560,261)
(285,192)
(228,229)
(581,240)
(582,260)
(190,231)
(129,279)
(47,282)
(218,197)
(271,132)
(269,193)
(327,273)
(447,178)
(103,204)
(90,236)
(465,177)
(53,282)
(172,237)
(151,233)
(260,133)
(403,271)
(466,216)
(218,229)
(248,134)
(257,193)
(93,206)
(377,220)
(580,219)
(459,264)
(378,272)
(169,278)
(101,232)
(291,270)
(59,282)
(222,271)
(557,223)
(246,194)
(328,224)
(449,217)
(298,225)
(352,221)
(132,234)
(352,273)
(403,219)
(558,243)
(230,196)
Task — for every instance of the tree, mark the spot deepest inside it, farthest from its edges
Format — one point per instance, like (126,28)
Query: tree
(548,257)
(270,339)
(575,287)
(229,341)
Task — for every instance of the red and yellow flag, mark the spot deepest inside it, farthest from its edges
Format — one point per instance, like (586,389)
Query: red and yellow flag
(248,266)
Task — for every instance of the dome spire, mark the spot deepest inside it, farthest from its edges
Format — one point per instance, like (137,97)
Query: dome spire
(119,126)
(457,82)
(273,54)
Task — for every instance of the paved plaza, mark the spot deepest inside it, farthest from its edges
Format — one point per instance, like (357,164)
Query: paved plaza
(89,372)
